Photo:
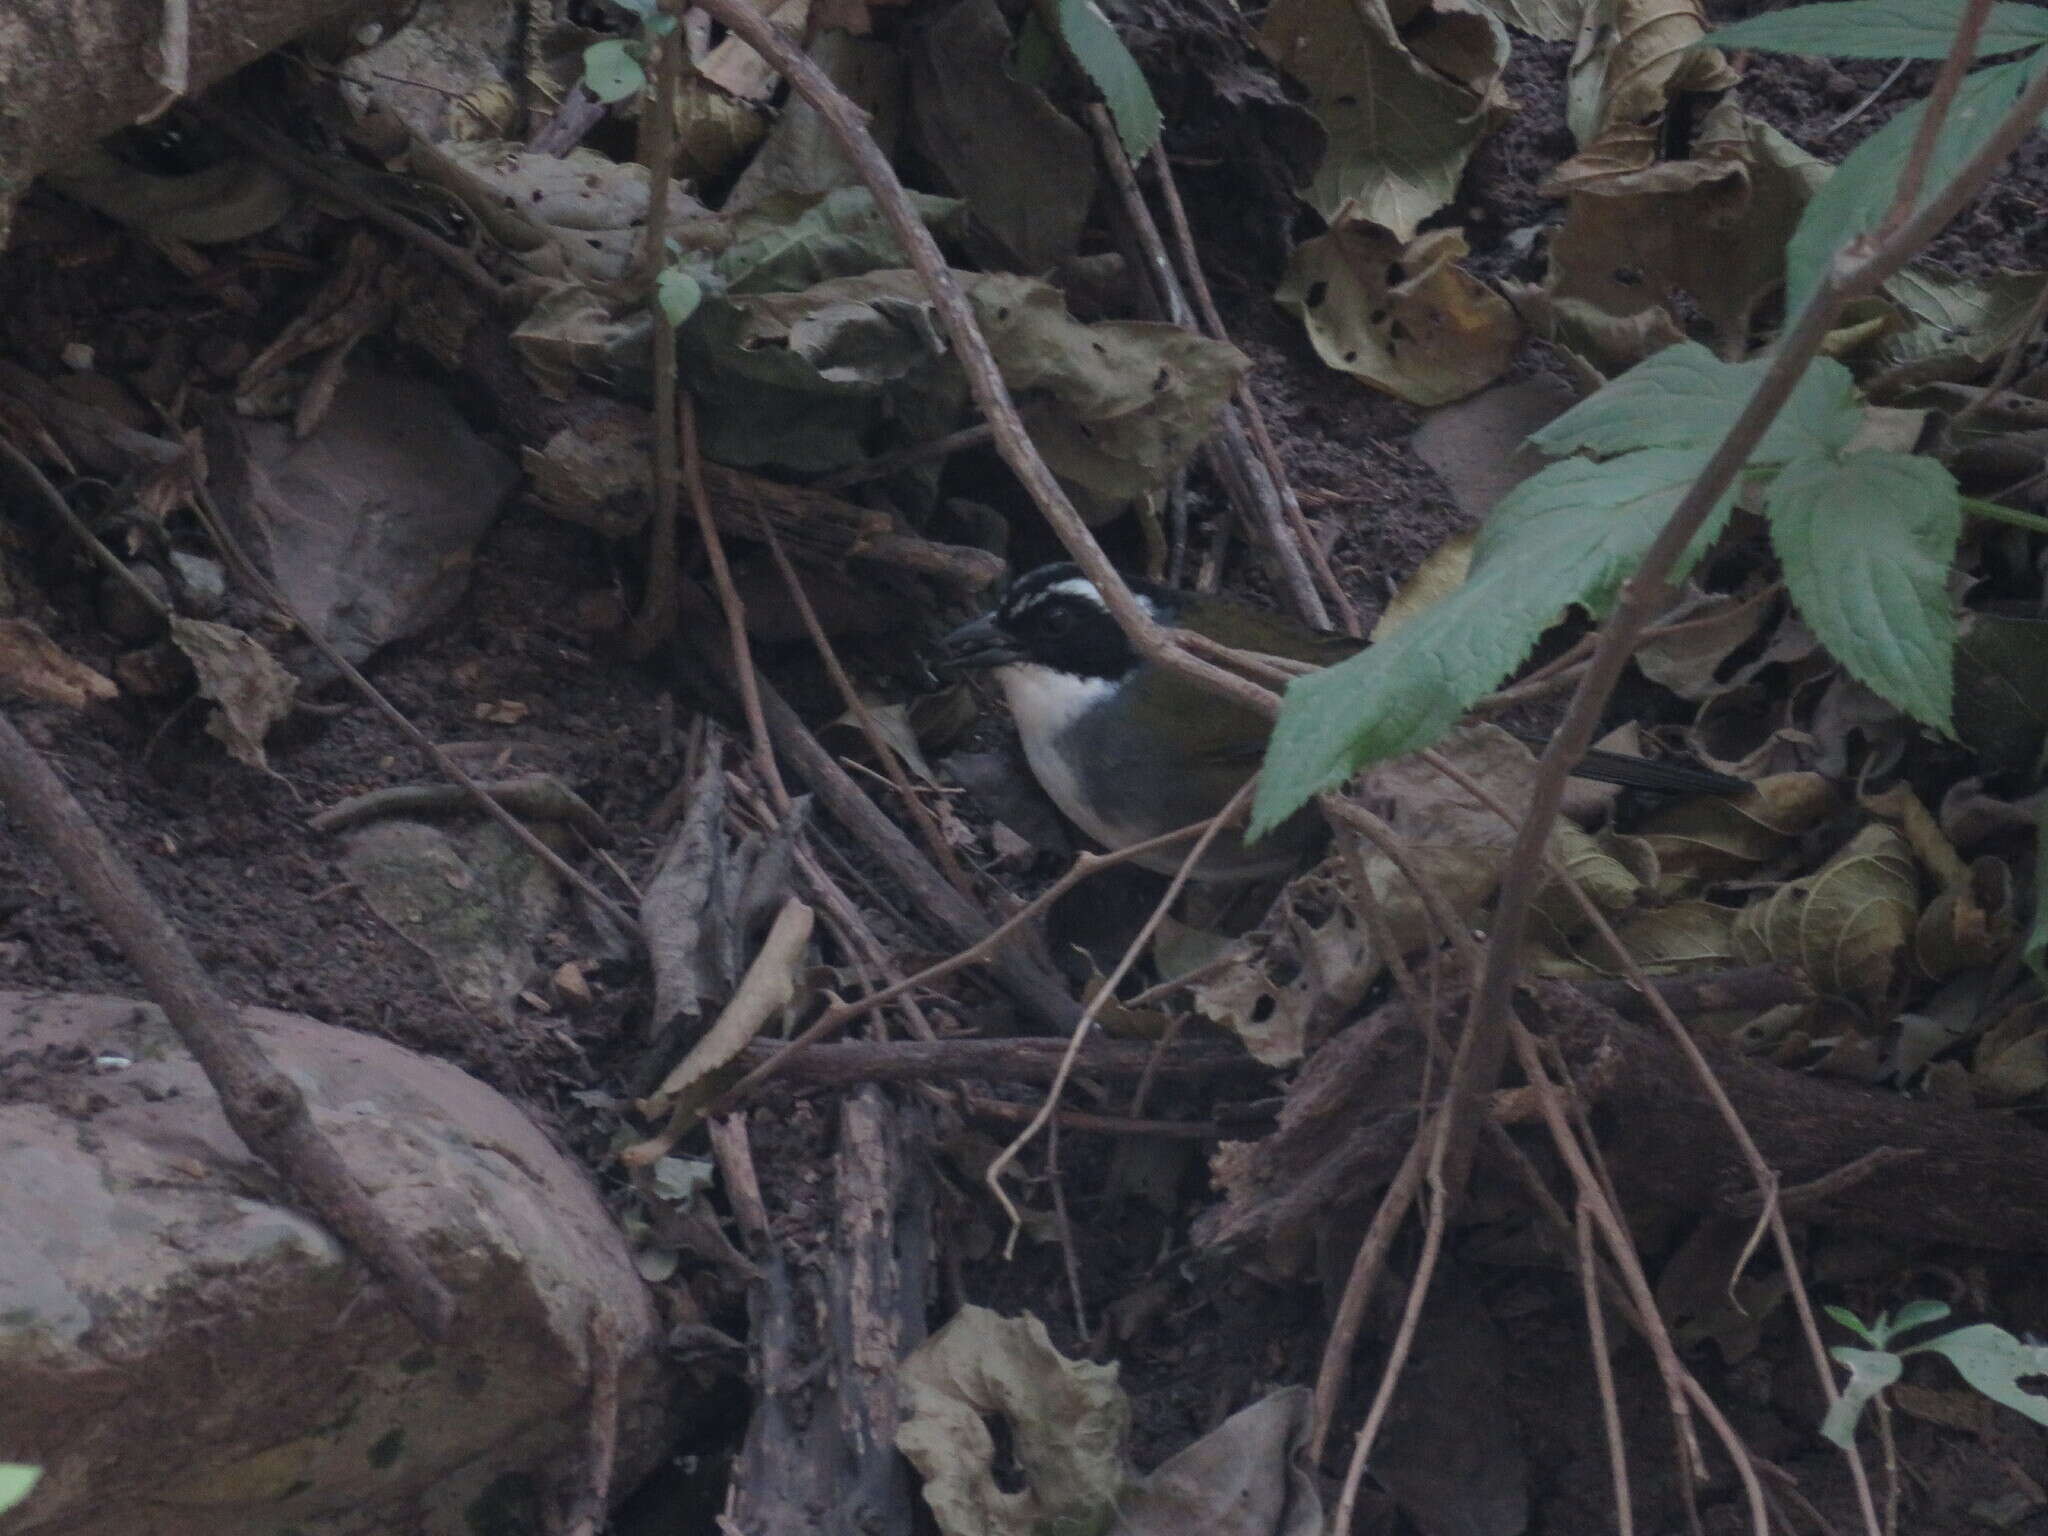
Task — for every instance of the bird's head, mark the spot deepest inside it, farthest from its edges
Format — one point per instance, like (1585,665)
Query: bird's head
(1050,617)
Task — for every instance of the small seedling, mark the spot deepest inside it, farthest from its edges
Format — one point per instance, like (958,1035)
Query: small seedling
(616,68)
(17,1482)
(1989,1358)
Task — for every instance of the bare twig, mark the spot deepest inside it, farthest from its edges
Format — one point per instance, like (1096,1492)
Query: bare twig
(656,619)
(263,1105)
(54,499)
(1105,994)
(1255,496)
(839,1015)
(1034,986)
(1404,1340)
(1934,115)
(847,124)
(277,151)
(1603,1373)
(1771,1215)
(745,676)
(1365,1270)
(216,526)
(1858,269)
(1248,401)
(934,840)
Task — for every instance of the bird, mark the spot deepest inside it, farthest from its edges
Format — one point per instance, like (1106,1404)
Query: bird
(1129,750)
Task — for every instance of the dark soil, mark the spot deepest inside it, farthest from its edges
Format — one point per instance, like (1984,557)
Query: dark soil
(228,852)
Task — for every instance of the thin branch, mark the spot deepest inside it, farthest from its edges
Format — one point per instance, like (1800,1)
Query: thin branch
(1603,1374)
(1962,52)
(656,619)
(263,1105)
(1867,262)
(1104,994)
(1248,401)
(277,151)
(935,843)
(1365,1270)
(848,125)
(746,678)
(217,528)
(1772,1215)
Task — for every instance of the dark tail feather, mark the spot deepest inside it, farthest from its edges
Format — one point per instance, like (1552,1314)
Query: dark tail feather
(1665,778)
(1642,773)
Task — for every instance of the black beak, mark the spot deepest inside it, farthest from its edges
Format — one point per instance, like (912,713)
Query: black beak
(977,644)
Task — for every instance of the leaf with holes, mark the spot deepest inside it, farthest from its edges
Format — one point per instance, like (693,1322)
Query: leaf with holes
(1870,1372)
(611,71)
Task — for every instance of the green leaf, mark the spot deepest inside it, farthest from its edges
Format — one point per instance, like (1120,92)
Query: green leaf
(1853,1323)
(1857,195)
(1882,29)
(1571,533)
(1918,1314)
(679,293)
(1685,397)
(1870,1372)
(611,71)
(1865,542)
(1112,71)
(17,1482)
(1994,1362)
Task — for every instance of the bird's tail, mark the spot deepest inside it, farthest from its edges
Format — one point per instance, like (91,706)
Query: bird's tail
(1663,778)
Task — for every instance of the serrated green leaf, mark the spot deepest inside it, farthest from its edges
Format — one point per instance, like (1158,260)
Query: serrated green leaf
(1857,195)
(679,293)
(1112,71)
(1870,1372)
(610,70)
(1685,397)
(17,1482)
(1853,1323)
(1865,543)
(1994,1362)
(1882,29)
(1571,533)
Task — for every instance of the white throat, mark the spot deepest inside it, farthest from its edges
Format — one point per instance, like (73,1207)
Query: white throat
(1045,703)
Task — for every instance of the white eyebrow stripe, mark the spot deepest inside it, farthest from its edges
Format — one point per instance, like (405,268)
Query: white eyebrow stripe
(1081,587)
(1075,586)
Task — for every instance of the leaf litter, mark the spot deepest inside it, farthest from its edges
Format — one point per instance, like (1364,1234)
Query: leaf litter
(828,357)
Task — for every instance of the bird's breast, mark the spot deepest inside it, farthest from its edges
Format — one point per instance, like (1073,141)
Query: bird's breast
(1052,710)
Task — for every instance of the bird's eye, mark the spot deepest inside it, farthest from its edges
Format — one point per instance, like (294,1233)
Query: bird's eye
(1056,623)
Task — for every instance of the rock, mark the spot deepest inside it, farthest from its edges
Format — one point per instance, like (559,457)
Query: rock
(186,1354)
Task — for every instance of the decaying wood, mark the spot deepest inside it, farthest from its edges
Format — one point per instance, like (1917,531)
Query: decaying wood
(820,1450)
(1939,1174)
(1955,1176)
(1016,1060)
(595,472)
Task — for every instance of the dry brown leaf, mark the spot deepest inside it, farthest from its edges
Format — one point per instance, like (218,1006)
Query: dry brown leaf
(34,667)
(1845,926)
